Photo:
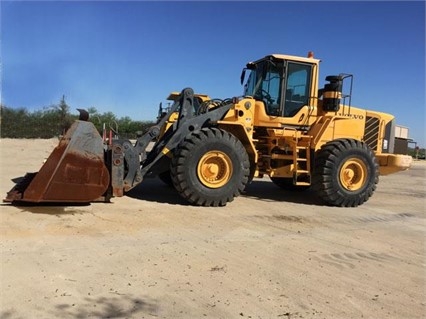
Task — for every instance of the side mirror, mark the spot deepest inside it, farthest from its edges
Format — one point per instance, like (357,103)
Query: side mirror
(249,66)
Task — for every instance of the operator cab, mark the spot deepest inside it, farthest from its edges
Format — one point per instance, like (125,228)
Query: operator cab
(281,83)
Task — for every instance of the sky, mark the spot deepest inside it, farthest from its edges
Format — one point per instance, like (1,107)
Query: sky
(127,56)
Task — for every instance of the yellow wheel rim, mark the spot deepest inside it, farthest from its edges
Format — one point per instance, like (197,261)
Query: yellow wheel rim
(353,174)
(214,169)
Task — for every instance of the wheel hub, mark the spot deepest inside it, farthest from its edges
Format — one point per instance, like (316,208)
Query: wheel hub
(353,174)
(214,169)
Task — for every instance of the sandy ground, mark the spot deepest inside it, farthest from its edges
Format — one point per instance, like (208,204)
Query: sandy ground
(268,254)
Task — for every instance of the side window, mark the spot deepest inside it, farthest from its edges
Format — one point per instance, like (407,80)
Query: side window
(298,87)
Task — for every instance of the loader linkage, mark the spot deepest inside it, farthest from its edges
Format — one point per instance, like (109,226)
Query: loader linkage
(83,168)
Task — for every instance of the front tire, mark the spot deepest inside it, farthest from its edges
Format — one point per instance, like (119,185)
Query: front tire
(210,167)
(346,173)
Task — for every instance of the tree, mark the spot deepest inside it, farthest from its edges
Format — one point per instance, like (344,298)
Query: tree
(63,110)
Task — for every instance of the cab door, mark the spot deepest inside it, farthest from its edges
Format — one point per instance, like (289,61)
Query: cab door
(297,87)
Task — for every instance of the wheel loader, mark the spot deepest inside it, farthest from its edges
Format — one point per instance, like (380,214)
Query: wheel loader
(283,126)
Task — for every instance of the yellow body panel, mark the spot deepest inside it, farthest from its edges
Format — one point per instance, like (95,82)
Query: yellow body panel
(338,125)
(240,122)
(306,116)
(173,118)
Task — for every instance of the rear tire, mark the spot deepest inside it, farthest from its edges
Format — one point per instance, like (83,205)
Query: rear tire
(346,173)
(210,167)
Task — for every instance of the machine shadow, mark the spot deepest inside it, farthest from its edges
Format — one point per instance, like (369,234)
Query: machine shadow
(265,190)
(154,190)
(122,306)
(56,209)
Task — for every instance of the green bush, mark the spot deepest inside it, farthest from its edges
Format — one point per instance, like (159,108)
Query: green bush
(54,120)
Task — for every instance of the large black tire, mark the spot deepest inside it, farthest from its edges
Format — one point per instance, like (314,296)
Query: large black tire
(287,184)
(346,173)
(210,167)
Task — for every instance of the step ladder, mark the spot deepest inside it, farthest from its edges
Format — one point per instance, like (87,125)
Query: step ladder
(302,161)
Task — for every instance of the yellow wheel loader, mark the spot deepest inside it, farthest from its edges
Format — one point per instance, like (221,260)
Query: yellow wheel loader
(283,126)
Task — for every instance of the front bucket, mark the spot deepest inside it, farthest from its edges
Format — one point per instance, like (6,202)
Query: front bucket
(74,172)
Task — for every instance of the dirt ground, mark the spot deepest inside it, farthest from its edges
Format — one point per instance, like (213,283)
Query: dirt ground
(268,254)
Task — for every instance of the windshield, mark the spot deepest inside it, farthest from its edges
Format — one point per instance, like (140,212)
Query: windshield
(251,82)
(264,84)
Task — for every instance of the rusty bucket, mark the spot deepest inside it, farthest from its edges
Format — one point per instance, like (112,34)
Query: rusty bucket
(74,172)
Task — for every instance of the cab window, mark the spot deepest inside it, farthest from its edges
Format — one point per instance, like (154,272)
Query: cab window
(298,87)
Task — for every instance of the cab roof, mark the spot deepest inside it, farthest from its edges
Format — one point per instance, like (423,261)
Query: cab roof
(290,57)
